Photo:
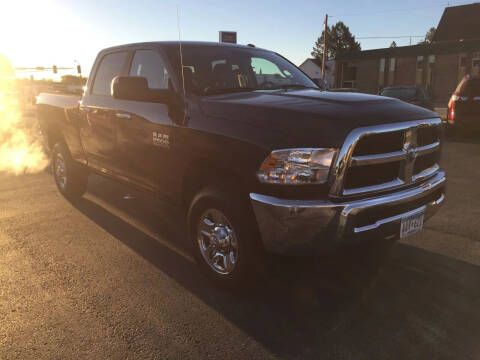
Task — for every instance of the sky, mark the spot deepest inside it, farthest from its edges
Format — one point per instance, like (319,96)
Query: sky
(67,32)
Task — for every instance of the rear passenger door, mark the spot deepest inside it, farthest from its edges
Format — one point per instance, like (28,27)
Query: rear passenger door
(144,129)
(97,124)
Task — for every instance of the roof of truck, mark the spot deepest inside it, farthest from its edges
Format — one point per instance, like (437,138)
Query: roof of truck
(184,43)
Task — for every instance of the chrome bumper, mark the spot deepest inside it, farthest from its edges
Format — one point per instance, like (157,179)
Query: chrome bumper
(306,226)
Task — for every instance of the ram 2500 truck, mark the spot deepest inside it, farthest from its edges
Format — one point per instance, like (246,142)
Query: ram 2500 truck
(260,158)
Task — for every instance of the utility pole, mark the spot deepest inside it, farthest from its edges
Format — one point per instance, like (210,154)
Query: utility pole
(324,55)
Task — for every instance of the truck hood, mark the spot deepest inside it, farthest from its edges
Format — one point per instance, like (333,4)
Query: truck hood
(308,117)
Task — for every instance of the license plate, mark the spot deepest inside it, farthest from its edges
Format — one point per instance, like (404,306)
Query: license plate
(411,224)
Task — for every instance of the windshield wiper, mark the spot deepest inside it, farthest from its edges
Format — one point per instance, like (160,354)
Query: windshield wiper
(292,86)
(212,91)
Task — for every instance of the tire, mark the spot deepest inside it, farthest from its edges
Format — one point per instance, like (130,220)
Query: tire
(221,220)
(71,178)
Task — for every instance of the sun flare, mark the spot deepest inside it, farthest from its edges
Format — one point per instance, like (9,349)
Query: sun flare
(20,150)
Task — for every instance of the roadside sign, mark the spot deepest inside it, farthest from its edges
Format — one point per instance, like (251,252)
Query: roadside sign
(227,36)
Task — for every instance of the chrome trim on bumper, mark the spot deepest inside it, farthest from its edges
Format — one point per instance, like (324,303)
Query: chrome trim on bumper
(398,218)
(306,226)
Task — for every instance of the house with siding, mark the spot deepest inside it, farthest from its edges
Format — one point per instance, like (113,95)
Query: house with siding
(313,68)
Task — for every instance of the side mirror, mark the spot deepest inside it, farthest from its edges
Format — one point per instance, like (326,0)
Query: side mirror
(136,88)
(321,84)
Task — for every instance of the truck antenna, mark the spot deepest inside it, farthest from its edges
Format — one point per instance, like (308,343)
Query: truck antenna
(180,49)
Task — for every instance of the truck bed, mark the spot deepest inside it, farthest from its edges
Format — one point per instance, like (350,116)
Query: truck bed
(58,100)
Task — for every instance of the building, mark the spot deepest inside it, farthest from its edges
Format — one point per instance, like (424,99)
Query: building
(313,68)
(439,66)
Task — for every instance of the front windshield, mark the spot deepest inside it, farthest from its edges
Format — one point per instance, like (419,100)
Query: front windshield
(221,69)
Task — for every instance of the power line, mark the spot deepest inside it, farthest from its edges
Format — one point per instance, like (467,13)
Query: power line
(390,37)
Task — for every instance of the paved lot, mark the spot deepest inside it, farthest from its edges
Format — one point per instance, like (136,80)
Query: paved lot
(112,278)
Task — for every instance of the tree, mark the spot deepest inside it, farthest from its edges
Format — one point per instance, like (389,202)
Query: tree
(429,36)
(73,80)
(339,41)
(393,44)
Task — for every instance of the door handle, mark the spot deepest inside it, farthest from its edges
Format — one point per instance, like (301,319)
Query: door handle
(123,116)
(85,108)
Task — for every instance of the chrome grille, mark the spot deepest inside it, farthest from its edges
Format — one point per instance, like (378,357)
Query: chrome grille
(384,157)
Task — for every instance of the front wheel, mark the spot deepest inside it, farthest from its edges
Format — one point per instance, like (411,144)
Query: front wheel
(71,179)
(225,244)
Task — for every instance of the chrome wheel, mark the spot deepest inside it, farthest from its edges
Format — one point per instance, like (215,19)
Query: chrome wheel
(217,241)
(60,171)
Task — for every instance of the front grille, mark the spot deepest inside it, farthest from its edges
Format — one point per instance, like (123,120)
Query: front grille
(428,135)
(384,157)
(368,175)
(425,162)
(379,143)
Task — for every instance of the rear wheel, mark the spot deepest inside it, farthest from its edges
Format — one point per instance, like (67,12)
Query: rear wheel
(225,244)
(71,179)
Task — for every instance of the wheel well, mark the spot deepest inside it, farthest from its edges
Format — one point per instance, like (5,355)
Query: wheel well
(54,137)
(205,174)
(205,180)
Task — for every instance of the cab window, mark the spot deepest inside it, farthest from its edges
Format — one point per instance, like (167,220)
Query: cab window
(150,65)
(110,66)
(267,72)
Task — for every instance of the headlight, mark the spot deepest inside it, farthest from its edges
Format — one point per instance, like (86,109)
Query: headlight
(297,166)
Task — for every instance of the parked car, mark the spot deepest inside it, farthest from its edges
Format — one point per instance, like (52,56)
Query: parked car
(260,159)
(416,95)
(354,90)
(464,105)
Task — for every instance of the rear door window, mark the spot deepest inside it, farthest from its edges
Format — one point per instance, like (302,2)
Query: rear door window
(150,65)
(473,88)
(111,66)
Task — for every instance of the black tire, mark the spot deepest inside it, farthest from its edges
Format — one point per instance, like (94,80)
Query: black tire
(73,179)
(249,265)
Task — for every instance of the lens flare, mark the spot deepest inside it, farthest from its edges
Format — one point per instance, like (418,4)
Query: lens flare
(21,149)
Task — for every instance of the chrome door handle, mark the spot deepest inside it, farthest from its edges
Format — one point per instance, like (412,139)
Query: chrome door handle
(85,108)
(123,116)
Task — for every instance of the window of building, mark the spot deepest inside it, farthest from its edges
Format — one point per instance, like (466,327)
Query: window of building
(475,63)
(476,59)
(429,77)
(150,65)
(349,76)
(420,63)
(392,64)
(110,66)
(463,61)
(419,71)
(381,72)
(391,71)
(382,64)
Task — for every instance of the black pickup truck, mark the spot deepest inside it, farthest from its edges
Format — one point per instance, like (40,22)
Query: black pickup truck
(259,157)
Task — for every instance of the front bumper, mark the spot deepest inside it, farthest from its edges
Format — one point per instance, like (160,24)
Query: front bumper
(306,226)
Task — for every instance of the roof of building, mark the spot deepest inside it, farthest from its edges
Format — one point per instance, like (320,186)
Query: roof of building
(438,48)
(459,23)
(317,62)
